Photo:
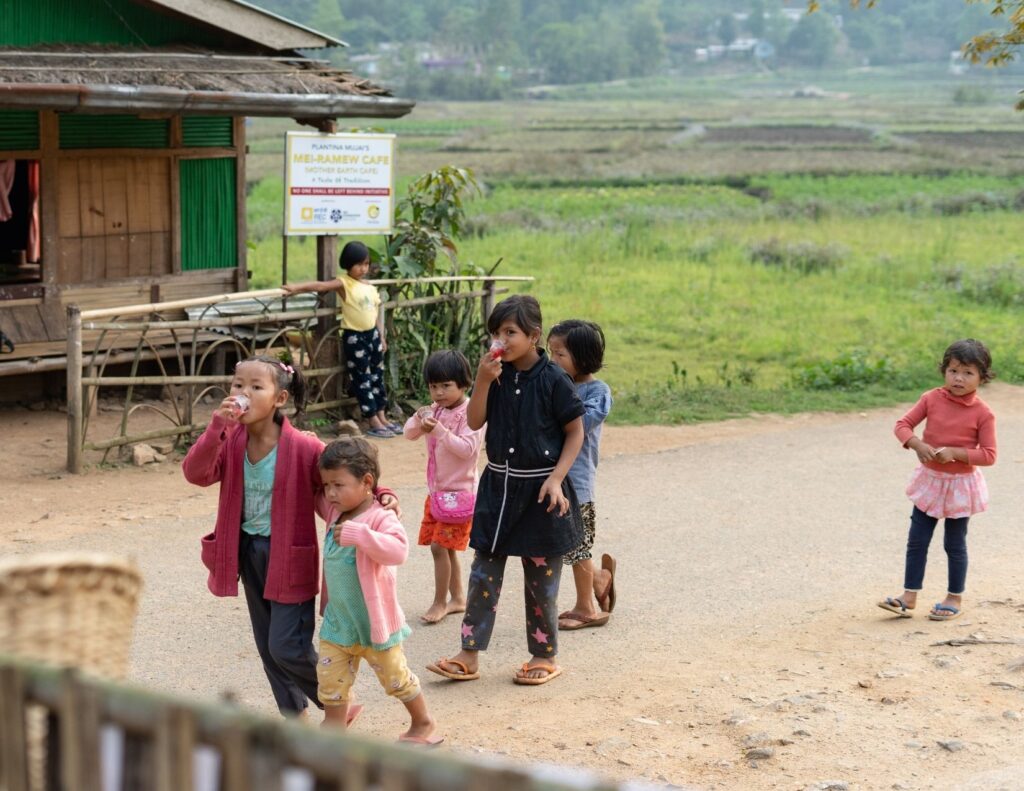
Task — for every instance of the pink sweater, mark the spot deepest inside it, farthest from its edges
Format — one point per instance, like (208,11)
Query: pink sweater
(380,543)
(456,448)
(953,422)
(218,457)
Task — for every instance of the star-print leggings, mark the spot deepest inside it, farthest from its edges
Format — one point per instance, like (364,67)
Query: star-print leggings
(541,577)
(364,359)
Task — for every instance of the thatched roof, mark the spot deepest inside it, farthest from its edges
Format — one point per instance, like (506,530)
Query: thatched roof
(176,74)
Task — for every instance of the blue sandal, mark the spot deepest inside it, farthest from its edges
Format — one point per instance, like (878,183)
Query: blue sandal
(897,606)
(395,428)
(940,607)
(379,433)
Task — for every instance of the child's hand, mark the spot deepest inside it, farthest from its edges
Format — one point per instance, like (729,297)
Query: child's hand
(553,489)
(489,369)
(338,529)
(944,455)
(228,410)
(924,451)
(428,423)
(289,289)
(390,503)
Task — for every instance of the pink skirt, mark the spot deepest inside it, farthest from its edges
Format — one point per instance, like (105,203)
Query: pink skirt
(948,494)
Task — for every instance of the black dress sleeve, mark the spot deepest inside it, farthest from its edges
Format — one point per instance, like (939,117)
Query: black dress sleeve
(565,403)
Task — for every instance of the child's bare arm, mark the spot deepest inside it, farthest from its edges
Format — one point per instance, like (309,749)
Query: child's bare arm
(488,371)
(317,286)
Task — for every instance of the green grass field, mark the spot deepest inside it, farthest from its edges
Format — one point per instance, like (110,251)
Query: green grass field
(787,258)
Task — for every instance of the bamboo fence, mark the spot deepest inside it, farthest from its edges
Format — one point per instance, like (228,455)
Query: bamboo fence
(198,346)
(106,734)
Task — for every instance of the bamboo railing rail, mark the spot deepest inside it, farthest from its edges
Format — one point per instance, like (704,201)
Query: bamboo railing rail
(155,332)
(103,728)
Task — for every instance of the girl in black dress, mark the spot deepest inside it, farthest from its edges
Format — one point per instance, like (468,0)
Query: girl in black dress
(525,504)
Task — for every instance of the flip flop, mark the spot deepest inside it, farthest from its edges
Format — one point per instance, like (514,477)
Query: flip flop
(395,428)
(607,601)
(897,606)
(379,433)
(582,621)
(955,613)
(421,741)
(465,675)
(354,710)
(552,672)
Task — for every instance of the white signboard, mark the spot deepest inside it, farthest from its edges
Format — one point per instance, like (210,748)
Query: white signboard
(338,184)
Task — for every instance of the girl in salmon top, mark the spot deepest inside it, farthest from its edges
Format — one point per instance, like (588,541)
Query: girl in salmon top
(959,437)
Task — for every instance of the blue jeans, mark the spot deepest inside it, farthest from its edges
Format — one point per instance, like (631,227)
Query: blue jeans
(955,543)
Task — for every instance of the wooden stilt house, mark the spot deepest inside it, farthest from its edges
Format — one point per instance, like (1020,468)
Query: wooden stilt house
(122,151)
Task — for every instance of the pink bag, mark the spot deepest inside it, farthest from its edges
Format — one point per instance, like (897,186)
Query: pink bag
(451,508)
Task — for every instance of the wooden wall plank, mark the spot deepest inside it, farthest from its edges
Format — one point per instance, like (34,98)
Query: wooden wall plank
(115,196)
(138,186)
(69,210)
(160,194)
(49,188)
(90,186)
(160,253)
(94,254)
(140,258)
(70,259)
(117,256)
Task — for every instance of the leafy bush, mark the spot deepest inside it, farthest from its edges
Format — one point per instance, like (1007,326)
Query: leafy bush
(971,202)
(803,257)
(850,371)
(1001,284)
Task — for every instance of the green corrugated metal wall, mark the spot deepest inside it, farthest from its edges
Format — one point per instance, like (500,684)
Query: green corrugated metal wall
(30,22)
(19,130)
(208,214)
(206,130)
(114,131)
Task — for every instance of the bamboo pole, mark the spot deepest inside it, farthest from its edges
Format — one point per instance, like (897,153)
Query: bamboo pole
(158,433)
(13,743)
(111,381)
(194,324)
(452,279)
(156,307)
(74,389)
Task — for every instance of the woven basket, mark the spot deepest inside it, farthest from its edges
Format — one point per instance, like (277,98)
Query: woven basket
(74,609)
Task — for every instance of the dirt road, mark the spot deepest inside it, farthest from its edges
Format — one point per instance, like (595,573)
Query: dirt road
(750,556)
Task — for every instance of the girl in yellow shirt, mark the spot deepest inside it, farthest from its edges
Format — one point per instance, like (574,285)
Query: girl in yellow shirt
(362,335)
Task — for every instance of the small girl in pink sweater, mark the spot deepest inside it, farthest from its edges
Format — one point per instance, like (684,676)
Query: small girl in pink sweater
(453,450)
(959,437)
(362,618)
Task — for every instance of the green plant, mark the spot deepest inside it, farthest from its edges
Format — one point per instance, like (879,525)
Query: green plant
(803,257)
(850,371)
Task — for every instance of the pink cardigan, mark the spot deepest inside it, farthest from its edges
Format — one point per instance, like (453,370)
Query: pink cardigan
(293,573)
(953,422)
(381,544)
(456,448)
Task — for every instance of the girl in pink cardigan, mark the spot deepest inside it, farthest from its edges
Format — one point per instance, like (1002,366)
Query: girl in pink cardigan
(959,437)
(362,618)
(266,530)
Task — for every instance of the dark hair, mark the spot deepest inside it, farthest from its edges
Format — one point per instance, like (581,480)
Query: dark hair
(522,309)
(353,253)
(969,352)
(584,341)
(286,377)
(449,365)
(354,454)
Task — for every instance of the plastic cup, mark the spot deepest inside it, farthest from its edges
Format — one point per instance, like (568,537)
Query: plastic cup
(241,405)
(497,349)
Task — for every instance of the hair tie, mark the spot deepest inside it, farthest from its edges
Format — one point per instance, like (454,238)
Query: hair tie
(287,369)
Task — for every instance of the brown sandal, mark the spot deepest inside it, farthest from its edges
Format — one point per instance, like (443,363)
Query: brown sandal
(553,671)
(582,621)
(465,675)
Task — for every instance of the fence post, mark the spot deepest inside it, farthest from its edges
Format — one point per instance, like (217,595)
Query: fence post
(487,301)
(78,735)
(13,743)
(74,387)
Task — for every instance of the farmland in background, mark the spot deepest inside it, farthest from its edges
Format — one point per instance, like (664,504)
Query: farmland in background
(748,242)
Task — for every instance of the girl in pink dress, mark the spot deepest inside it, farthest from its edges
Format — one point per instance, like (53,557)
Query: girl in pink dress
(959,437)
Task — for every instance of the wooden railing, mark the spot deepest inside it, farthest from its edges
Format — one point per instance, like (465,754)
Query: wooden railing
(101,734)
(197,348)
